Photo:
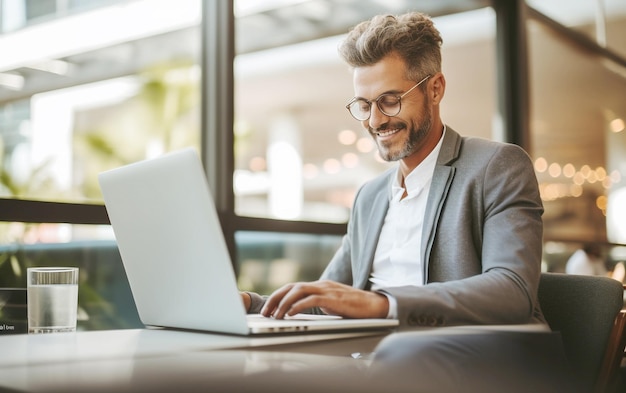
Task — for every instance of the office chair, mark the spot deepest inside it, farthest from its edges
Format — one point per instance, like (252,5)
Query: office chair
(587,311)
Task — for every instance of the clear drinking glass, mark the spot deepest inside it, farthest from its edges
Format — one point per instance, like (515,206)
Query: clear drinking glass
(52,299)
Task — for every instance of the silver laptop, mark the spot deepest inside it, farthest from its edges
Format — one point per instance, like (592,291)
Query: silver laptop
(175,256)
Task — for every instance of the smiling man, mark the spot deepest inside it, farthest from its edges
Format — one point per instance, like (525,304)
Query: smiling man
(452,235)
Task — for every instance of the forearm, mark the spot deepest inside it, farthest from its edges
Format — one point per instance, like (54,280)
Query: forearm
(492,298)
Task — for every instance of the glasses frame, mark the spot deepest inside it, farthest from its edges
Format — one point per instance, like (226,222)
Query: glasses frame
(377,101)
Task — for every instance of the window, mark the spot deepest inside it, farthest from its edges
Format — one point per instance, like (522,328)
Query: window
(599,21)
(577,127)
(74,107)
(70,109)
(126,88)
(299,155)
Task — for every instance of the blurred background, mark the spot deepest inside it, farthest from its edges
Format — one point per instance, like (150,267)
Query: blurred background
(258,88)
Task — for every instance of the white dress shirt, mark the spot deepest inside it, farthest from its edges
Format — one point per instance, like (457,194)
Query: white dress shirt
(397,259)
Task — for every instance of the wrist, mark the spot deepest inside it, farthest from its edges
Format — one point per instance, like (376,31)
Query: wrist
(383,308)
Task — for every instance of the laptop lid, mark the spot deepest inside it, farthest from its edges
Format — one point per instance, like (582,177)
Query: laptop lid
(175,256)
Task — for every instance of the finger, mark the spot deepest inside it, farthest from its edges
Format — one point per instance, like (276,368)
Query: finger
(291,302)
(304,304)
(274,299)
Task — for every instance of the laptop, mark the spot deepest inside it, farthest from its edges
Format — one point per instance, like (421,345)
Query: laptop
(175,256)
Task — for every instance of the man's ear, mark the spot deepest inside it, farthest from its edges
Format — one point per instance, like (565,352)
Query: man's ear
(438,89)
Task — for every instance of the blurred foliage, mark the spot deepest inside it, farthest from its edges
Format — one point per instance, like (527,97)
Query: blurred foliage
(162,116)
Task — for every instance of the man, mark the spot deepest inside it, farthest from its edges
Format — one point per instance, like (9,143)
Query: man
(587,261)
(453,234)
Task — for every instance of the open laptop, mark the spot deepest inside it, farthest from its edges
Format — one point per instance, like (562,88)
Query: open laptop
(175,256)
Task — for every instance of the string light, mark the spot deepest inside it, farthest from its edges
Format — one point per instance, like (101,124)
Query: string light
(347,137)
(541,165)
(554,170)
(569,170)
(551,191)
(617,125)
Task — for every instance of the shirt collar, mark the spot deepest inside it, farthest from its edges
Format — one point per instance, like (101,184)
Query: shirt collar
(420,176)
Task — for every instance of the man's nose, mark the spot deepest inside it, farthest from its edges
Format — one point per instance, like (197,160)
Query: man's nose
(377,118)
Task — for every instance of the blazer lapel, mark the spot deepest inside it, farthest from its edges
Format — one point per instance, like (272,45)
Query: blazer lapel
(442,178)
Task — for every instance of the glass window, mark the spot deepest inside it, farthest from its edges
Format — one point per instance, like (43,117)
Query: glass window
(299,155)
(71,108)
(73,105)
(600,20)
(579,139)
(16,14)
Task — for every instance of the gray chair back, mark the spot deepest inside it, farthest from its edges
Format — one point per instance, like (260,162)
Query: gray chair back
(582,309)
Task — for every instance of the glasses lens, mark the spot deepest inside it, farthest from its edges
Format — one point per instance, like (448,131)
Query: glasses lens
(389,104)
(360,109)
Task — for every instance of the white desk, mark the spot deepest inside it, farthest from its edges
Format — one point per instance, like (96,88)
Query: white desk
(159,360)
(167,360)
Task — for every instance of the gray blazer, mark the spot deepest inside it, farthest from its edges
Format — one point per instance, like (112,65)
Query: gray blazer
(481,242)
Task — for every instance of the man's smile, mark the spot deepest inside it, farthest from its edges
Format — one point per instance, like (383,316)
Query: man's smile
(387,133)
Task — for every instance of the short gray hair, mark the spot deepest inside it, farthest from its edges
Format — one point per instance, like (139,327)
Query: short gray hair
(411,36)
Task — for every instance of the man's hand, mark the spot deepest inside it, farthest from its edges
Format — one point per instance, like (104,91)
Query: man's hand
(332,297)
(245,298)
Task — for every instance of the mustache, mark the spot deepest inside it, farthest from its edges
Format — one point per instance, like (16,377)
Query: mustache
(385,127)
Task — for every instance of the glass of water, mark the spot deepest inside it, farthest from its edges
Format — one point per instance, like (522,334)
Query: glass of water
(52,299)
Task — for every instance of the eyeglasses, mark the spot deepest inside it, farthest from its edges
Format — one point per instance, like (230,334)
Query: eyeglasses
(389,104)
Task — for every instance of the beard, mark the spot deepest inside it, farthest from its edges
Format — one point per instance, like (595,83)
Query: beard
(416,136)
